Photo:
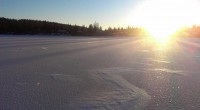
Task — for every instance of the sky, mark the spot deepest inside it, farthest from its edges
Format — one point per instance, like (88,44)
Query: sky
(154,15)
(81,12)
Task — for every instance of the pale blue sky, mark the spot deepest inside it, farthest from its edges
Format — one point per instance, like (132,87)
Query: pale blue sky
(81,12)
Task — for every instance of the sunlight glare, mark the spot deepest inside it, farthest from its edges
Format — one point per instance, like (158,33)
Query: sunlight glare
(162,18)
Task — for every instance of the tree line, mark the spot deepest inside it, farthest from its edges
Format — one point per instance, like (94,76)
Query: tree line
(193,31)
(26,26)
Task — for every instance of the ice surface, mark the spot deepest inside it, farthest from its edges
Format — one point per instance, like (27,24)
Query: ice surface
(82,73)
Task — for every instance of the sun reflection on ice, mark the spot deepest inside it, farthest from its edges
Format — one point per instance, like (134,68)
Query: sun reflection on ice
(160,43)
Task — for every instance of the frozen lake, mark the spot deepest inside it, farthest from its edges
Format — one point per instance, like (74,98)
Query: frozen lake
(88,73)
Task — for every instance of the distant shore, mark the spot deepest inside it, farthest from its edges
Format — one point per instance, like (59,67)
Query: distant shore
(37,27)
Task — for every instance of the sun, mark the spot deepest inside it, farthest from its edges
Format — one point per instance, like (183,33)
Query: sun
(162,18)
